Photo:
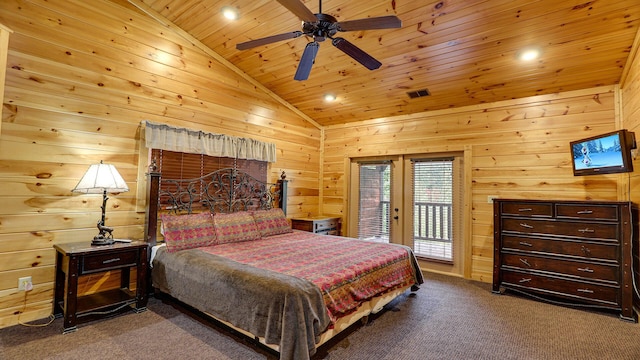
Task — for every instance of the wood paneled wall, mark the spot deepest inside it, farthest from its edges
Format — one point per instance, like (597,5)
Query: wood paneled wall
(519,149)
(81,76)
(630,105)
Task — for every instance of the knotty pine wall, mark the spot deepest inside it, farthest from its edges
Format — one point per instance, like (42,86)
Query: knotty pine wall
(81,76)
(517,149)
(630,105)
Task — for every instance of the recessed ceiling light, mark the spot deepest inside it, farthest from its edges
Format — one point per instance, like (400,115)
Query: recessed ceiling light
(329,97)
(529,54)
(230,13)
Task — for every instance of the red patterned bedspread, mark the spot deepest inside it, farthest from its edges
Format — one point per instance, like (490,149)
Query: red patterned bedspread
(347,271)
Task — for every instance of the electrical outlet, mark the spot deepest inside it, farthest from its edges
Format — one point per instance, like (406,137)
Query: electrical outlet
(25,284)
(490,198)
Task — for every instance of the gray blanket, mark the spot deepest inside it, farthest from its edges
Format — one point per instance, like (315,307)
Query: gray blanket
(285,310)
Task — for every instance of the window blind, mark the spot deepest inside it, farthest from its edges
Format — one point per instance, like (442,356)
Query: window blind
(374,201)
(433,203)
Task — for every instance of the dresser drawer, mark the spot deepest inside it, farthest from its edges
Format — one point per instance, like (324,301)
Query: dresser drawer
(108,261)
(527,209)
(591,271)
(604,231)
(557,286)
(587,211)
(580,249)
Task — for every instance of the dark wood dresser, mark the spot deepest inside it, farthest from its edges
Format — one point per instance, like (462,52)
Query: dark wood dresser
(567,252)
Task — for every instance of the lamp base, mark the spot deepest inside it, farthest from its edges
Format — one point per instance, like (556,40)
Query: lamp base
(100,240)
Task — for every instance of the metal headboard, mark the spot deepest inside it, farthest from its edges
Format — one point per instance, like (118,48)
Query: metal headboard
(222,191)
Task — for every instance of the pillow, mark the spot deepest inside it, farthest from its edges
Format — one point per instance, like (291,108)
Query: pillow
(271,222)
(183,232)
(235,227)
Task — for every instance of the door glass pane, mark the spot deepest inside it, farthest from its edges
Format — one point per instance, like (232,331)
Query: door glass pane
(433,205)
(374,215)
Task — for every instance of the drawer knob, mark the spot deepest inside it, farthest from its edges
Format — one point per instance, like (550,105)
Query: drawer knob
(587,230)
(585,212)
(586,251)
(524,243)
(524,261)
(111,260)
(585,270)
(525,280)
(525,209)
(526,226)
(587,291)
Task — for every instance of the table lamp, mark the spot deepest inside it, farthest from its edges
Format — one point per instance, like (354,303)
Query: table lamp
(100,179)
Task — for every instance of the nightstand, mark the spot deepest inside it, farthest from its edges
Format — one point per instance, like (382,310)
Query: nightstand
(319,225)
(76,259)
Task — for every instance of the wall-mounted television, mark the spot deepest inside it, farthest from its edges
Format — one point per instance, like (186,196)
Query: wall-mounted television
(603,154)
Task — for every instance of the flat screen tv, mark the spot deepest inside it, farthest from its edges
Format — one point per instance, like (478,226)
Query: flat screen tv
(603,154)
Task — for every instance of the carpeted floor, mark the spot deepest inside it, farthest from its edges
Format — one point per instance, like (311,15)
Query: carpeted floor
(448,318)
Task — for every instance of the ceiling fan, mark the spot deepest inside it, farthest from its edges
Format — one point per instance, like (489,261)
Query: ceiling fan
(321,26)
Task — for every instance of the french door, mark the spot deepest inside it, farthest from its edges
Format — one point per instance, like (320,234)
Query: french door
(414,200)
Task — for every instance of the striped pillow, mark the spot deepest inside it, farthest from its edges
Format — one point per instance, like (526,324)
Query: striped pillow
(235,227)
(183,232)
(271,222)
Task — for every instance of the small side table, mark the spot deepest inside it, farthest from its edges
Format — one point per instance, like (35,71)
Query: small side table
(319,225)
(76,259)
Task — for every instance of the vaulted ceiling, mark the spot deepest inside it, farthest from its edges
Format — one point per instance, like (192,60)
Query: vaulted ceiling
(464,52)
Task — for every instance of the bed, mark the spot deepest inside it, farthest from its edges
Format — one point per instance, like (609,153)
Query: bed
(229,252)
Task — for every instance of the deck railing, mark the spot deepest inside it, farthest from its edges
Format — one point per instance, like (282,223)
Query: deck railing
(432,221)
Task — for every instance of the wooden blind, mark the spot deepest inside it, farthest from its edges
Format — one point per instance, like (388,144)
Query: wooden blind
(375,197)
(182,166)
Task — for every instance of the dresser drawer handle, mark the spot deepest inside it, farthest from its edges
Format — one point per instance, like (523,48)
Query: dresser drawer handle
(585,291)
(524,261)
(525,209)
(524,243)
(585,212)
(111,260)
(585,270)
(587,230)
(525,280)
(526,226)
(586,251)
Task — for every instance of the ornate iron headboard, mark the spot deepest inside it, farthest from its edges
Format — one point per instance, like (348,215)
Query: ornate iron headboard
(222,191)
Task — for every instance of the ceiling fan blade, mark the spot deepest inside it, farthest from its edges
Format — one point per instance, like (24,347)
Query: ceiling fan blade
(268,40)
(356,53)
(307,60)
(382,22)
(299,10)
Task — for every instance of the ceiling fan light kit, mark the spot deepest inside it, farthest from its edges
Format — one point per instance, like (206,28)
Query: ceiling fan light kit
(321,26)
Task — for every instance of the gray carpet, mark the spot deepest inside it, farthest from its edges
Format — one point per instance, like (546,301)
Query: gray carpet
(448,318)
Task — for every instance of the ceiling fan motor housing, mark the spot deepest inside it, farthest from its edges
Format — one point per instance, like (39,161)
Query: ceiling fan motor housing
(323,28)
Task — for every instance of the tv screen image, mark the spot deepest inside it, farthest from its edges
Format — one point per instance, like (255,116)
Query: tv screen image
(603,154)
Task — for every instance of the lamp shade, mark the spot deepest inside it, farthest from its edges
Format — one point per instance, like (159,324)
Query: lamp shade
(101,178)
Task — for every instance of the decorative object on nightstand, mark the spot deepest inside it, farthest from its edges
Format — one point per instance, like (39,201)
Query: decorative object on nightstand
(74,260)
(100,179)
(320,225)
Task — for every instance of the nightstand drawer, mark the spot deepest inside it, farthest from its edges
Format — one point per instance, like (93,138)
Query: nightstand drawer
(318,225)
(329,224)
(104,262)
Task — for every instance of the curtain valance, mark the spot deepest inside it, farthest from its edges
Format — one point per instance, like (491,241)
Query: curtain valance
(165,137)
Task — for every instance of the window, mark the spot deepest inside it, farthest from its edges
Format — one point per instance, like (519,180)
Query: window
(375,198)
(433,208)
(179,165)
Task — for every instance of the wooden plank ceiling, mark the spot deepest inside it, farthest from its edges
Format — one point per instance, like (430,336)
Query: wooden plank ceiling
(463,51)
